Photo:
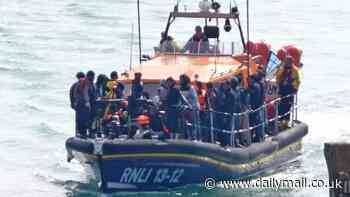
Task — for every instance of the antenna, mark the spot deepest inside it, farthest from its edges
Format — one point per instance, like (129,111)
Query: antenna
(139,28)
(248,39)
(131,46)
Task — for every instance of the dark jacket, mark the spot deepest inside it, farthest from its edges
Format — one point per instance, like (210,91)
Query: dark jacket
(136,89)
(256,95)
(173,98)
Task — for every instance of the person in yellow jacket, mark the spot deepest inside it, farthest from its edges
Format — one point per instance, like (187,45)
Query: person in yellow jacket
(115,89)
(288,81)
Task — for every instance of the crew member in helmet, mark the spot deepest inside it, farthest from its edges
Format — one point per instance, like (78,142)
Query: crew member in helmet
(288,81)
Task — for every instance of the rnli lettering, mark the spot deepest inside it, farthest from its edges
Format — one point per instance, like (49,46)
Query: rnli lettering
(144,175)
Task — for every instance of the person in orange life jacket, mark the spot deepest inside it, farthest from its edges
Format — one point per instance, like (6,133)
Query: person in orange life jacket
(288,81)
(114,87)
(80,102)
(198,43)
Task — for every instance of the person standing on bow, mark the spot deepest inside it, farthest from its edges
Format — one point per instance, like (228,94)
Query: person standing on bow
(90,77)
(288,81)
(80,102)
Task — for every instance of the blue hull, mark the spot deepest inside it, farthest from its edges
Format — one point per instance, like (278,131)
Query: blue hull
(141,165)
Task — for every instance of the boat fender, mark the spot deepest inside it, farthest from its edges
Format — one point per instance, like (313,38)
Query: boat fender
(80,144)
(291,135)
(264,148)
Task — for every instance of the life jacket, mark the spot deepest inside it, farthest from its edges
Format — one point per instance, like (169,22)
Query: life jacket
(112,88)
(201,100)
(294,77)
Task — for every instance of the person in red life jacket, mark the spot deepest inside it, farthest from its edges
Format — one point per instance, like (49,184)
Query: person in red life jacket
(199,88)
(80,102)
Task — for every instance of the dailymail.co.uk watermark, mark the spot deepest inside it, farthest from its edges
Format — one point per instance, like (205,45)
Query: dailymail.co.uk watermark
(275,184)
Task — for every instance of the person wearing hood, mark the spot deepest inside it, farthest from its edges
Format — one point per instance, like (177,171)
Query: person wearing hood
(101,86)
(190,98)
(80,102)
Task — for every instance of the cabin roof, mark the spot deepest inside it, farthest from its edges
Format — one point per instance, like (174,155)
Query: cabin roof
(204,15)
(208,68)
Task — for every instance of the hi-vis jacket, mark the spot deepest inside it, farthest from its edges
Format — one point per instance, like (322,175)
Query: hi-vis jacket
(283,78)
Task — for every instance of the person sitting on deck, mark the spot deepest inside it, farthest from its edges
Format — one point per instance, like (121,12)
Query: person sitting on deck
(198,43)
(167,44)
(288,81)
(114,87)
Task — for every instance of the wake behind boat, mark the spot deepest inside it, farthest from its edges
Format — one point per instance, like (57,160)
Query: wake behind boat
(242,123)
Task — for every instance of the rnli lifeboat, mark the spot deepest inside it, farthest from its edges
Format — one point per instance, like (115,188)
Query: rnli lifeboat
(152,163)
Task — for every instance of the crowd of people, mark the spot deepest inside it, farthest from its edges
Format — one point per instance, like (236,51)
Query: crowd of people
(191,109)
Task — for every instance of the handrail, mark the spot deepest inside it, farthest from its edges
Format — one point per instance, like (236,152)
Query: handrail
(197,127)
